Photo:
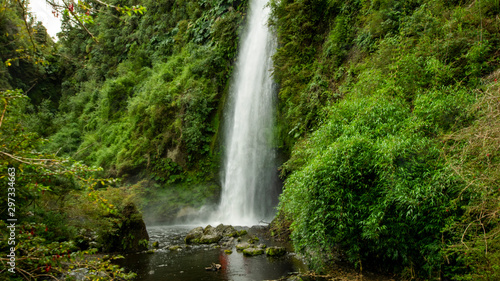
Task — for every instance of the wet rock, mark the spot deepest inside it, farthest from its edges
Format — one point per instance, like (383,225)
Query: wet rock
(210,235)
(253,240)
(243,246)
(253,251)
(175,248)
(224,234)
(227,242)
(79,274)
(227,230)
(193,237)
(275,251)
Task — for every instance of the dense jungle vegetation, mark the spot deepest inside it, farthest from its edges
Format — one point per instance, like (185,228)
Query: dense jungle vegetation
(388,115)
(123,110)
(390,112)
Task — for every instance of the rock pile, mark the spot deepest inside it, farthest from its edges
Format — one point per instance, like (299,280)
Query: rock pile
(225,236)
(211,234)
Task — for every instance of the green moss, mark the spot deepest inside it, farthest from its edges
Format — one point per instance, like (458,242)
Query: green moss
(253,251)
(275,251)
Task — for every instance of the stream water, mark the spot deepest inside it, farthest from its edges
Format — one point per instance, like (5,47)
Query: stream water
(179,262)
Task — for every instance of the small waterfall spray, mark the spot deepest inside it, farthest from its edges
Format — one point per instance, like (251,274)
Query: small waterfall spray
(249,180)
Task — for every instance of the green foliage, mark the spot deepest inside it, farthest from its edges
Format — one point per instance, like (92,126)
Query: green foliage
(27,54)
(473,155)
(370,102)
(41,257)
(300,26)
(372,185)
(385,112)
(147,99)
(39,185)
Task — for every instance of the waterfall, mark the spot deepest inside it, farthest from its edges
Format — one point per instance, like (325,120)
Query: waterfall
(249,179)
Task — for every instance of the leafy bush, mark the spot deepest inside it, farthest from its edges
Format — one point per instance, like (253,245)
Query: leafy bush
(368,175)
(376,175)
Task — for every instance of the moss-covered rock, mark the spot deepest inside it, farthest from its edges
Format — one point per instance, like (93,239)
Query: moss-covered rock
(193,237)
(253,240)
(175,248)
(243,246)
(227,230)
(253,251)
(211,235)
(275,251)
(131,234)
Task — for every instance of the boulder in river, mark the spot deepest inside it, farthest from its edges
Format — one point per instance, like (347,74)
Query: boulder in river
(243,246)
(193,237)
(275,251)
(253,251)
(175,248)
(210,234)
(226,230)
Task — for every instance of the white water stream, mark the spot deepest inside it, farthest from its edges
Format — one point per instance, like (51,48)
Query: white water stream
(249,180)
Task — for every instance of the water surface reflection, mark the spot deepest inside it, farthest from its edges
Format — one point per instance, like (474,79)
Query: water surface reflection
(189,262)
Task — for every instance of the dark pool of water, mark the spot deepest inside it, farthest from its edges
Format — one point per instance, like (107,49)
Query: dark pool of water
(189,262)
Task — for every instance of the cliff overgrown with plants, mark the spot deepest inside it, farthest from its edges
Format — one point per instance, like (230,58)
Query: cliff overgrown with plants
(142,95)
(148,93)
(389,112)
(133,91)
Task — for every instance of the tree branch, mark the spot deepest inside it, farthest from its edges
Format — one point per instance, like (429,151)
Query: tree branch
(80,22)
(21,5)
(75,16)
(3,113)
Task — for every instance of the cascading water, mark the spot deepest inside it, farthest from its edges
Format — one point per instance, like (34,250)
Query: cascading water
(249,180)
